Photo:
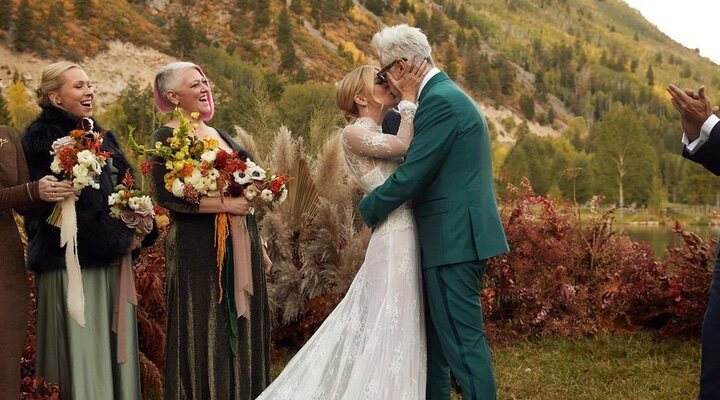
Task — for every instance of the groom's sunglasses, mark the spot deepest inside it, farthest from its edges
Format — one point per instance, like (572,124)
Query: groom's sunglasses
(381,76)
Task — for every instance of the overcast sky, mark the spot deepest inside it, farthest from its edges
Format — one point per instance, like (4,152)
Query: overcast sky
(692,23)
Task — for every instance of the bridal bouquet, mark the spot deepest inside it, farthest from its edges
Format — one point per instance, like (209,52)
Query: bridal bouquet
(78,157)
(134,208)
(199,167)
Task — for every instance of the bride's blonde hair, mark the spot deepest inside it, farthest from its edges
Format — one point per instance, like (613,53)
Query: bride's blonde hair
(358,82)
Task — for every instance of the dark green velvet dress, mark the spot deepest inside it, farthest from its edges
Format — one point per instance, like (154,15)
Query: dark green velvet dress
(200,363)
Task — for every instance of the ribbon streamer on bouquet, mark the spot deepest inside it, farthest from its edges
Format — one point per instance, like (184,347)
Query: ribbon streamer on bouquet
(68,238)
(242,261)
(126,293)
(242,265)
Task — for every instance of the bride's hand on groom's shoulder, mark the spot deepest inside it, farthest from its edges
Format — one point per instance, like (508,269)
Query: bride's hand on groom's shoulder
(409,83)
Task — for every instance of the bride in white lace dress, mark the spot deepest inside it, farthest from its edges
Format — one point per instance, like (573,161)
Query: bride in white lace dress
(372,346)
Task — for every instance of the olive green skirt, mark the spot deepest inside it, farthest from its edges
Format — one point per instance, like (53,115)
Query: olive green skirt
(83,361)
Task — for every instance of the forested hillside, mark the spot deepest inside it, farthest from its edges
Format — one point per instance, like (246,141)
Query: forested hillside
(566,83)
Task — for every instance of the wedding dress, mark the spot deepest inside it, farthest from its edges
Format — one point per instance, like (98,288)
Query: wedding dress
(372,346)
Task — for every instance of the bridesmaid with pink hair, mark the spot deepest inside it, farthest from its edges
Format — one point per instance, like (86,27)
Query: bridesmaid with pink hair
(215,351)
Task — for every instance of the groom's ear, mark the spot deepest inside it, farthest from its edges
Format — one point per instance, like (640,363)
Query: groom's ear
(402,65)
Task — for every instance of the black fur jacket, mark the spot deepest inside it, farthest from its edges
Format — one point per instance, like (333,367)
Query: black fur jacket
(101,238)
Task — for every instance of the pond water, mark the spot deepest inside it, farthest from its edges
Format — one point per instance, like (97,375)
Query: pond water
(660,237)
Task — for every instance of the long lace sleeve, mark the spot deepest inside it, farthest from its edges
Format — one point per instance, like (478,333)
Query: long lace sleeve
(362,140)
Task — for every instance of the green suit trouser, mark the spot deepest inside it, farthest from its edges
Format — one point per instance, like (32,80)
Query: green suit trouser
(455,332)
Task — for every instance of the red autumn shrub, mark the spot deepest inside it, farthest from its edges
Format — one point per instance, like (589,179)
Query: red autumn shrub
(566,276)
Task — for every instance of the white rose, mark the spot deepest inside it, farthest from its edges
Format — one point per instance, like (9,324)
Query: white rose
(55,165)
(209,156)
(85,157)
(114,199)
(194,178)
(250,192)
(80,182)
(95,167)
(65,141)
(178,187)
(145,203)
(266,195)
(80,170)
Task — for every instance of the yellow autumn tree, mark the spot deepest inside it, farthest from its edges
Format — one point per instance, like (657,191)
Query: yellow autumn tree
(22,109)
(349,50)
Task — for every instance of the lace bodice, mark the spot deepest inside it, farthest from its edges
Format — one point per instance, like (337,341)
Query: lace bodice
(372,156)
(370,171)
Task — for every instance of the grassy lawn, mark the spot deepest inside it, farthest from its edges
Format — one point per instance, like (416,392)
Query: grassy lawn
(604,367)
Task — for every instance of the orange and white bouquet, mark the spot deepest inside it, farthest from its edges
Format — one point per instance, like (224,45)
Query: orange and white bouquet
(77,157)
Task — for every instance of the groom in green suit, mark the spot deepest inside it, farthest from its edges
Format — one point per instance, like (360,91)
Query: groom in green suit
(448,177)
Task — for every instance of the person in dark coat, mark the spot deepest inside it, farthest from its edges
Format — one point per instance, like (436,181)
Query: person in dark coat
(82,360)
(701,144)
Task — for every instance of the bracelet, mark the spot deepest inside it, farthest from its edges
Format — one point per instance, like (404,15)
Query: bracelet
(29,193)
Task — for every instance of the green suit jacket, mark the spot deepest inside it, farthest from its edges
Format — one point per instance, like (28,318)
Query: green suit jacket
(448,176)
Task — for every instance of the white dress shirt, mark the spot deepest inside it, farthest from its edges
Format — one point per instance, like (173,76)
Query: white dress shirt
(434,71)
(707,127)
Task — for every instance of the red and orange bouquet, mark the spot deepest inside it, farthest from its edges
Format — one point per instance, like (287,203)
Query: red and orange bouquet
(78,157)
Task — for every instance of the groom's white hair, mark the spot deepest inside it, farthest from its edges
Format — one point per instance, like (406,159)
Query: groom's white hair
(401,41)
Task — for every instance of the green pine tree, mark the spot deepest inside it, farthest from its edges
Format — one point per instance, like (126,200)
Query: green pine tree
(83,8)
(284,41)
(403,7)
(24,35)
(5,14)
(183,40)
(5,118)
(436,30)
(473,70)
(650,76)
(422,20)
(527,106)
(451,60)
(332,8)
(245,4)
(261,13)
(550,115)
(296,6)
(316,12)
(375,6)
